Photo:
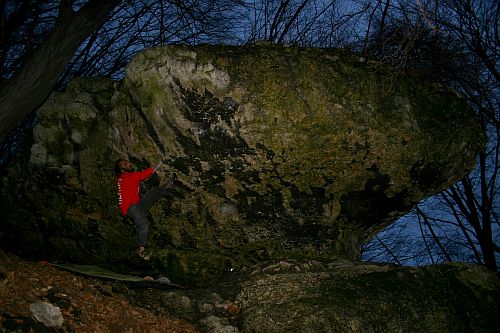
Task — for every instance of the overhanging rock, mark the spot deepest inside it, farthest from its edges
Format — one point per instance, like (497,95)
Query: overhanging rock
(277,152)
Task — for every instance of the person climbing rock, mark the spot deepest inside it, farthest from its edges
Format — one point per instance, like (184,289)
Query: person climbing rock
(130,202)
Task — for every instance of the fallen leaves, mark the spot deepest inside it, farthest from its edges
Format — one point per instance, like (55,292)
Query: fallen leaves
(87,305)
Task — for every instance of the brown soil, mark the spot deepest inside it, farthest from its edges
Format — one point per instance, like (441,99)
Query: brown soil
(87,305)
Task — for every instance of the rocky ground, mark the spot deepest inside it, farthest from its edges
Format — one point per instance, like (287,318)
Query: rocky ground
(281,296)
(85,304)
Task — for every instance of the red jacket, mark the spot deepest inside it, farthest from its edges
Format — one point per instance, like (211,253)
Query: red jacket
(128,188)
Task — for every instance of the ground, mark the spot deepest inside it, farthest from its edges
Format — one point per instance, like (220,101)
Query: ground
(87,304)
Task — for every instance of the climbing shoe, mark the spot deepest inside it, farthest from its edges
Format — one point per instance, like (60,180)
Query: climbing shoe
(144,255)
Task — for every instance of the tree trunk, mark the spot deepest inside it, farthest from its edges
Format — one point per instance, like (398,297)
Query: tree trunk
(34,81)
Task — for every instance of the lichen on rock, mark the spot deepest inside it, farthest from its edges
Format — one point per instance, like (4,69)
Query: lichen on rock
(278,152)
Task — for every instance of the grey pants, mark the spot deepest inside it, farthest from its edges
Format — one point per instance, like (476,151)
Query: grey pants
(138,213)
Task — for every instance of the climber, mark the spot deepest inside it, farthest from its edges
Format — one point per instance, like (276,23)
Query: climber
(130,202)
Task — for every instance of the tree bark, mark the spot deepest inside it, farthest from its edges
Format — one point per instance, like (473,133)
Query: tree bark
(34,81)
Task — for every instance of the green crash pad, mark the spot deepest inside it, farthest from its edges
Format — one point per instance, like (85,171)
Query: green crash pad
(130,280)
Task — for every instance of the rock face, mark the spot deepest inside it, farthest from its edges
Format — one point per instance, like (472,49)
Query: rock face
(340,296)
(277,153)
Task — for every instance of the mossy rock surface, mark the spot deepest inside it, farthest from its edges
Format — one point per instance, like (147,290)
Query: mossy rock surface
(339,296)
(278,152)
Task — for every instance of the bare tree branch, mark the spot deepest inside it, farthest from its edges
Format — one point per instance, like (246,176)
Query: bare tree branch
(33,83)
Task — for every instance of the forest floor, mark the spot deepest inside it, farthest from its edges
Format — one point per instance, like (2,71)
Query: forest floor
(86,304)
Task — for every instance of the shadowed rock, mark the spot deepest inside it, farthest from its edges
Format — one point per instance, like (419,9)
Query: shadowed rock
(342,296)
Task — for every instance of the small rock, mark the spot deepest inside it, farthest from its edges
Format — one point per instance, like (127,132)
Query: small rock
(205,307)
(217,300)
(218,325)
(47,314)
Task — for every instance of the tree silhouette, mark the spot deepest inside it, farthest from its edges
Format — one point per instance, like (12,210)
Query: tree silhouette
(454,43)
(34,74)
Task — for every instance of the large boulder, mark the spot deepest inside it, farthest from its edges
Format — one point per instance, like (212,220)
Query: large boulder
(339,296)
(275,151)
